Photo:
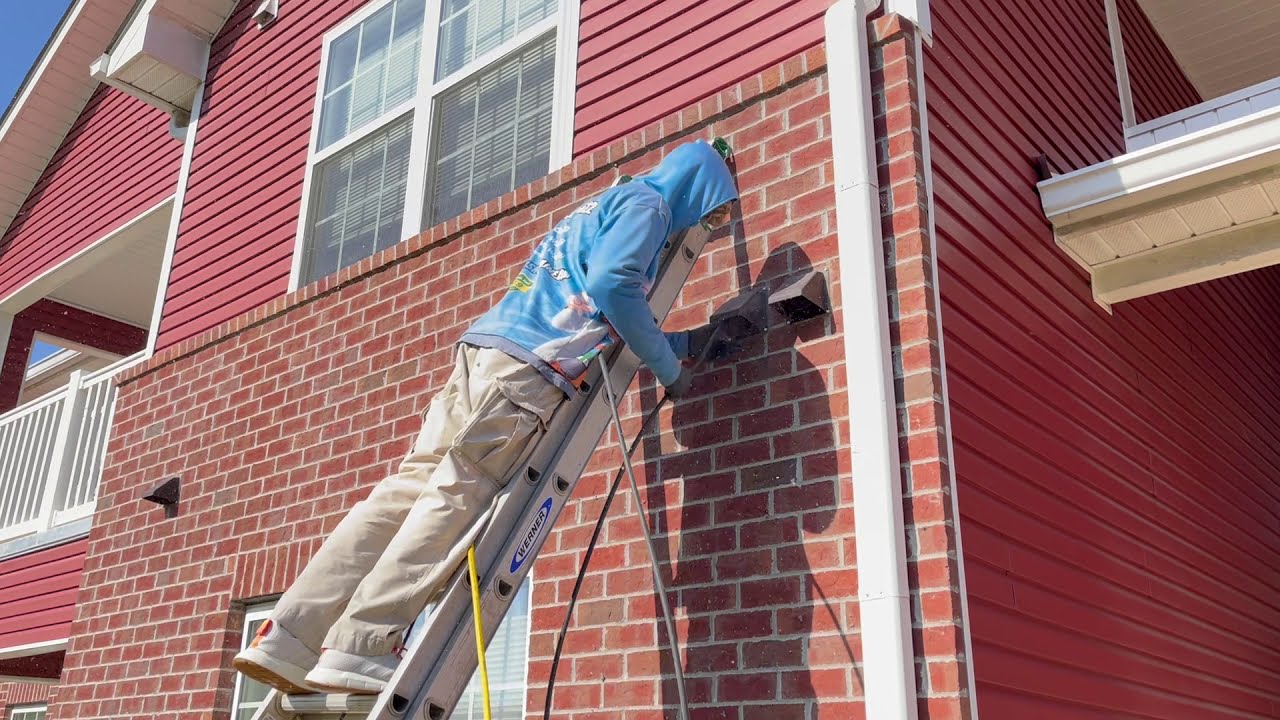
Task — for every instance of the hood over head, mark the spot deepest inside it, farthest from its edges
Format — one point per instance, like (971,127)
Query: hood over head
(694,180)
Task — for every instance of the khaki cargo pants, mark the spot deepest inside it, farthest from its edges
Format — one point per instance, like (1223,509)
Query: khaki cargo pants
(393,552)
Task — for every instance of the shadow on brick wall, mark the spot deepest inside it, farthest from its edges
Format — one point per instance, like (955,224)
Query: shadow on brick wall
(756,461)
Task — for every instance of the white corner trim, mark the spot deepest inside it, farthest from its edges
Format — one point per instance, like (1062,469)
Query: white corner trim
(915,11)
(927,160)
(1249,143)
(175,218)
(6,326)
(564,104)
(884,601)
(49,280)
(39,648)
(1118,63)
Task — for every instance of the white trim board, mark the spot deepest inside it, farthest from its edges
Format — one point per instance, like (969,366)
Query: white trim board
(927,160)
(6,326)
(80,261)
(175,218)
(39,648)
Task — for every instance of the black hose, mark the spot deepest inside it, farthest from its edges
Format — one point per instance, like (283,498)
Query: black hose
(604,513)
(586,560)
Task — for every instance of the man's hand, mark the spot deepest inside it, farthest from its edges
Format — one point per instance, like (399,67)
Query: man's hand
(717,341)
(680,387)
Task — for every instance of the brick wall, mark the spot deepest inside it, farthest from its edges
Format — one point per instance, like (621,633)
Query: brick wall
(278,421)
(12,694)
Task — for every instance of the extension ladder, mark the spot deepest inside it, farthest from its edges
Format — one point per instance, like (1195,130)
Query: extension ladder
(441,659)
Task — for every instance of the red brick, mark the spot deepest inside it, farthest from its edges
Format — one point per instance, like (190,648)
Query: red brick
(746,687)
(775,591)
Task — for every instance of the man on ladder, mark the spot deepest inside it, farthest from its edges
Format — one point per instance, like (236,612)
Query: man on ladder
(339,627)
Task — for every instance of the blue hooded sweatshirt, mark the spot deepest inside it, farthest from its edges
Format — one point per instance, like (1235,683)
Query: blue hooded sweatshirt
(588,281)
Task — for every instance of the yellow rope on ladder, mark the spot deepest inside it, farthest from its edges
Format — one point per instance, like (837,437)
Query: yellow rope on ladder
(475,612)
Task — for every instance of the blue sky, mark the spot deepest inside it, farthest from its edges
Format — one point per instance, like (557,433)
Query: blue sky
(26,27)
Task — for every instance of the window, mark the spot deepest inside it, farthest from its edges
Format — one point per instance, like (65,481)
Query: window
(508,658)
(250,694)
(41,351)
(28,712)
(507,655)
(425,109)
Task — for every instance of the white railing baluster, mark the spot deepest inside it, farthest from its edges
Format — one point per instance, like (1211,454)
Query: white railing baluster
(8,472)
(84,439)
(64,448)
(92,434)
(52,452)
(27,427)
(44,429)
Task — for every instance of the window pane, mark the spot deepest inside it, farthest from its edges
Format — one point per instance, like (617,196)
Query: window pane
(470,28)
(372,68)
(493,133)
(342,60)
(506,656)
(375,36)
(359,200)
(250,693)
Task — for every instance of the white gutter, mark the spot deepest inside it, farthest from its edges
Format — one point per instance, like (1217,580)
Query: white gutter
(888,680)
(1217,153)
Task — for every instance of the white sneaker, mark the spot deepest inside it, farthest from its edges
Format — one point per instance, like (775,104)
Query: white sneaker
(277,658)
(341,672)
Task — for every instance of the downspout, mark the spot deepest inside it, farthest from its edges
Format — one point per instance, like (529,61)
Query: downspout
(888,676)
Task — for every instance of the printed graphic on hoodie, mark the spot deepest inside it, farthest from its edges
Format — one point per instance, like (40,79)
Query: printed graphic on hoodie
(586,285)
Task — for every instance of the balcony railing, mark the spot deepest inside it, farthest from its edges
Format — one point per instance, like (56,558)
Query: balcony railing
(51,453)
(1232,106)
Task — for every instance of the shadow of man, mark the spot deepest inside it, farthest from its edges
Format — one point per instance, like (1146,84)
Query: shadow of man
(755,447)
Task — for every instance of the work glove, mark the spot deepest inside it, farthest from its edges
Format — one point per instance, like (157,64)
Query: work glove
(717,345)
(680,386)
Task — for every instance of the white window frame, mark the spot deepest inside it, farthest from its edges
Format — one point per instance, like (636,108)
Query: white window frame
(255,612)
(563,22)
(25,712)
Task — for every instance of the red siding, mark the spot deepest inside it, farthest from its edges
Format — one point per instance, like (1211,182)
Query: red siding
(1117,477)
(117,160)
(38,594)
(236,238)
(639,61)
(1155,80)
